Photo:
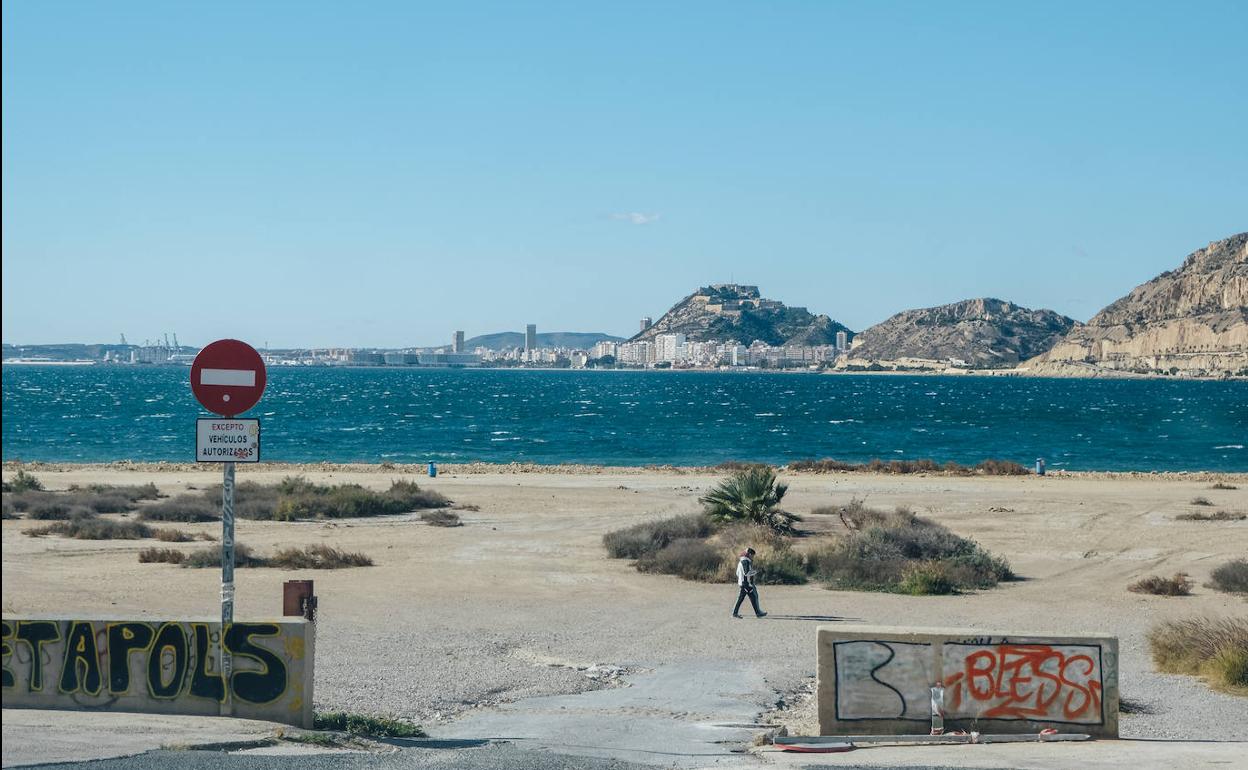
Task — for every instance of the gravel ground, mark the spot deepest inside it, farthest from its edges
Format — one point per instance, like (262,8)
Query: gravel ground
(521,601)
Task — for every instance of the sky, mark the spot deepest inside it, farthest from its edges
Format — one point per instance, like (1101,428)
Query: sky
(383,173)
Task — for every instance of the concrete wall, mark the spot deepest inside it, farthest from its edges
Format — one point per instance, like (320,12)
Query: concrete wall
(878,680)
(162,667)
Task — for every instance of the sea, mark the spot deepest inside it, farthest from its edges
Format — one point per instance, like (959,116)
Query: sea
(633,418)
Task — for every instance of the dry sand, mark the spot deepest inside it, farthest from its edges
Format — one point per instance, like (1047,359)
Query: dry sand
(512,604)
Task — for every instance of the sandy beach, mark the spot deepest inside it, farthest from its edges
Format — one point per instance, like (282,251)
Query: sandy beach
(522,601)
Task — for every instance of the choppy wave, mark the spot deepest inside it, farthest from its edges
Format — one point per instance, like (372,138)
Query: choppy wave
(638,418)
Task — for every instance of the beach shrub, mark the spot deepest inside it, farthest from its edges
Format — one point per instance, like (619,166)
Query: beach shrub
(774,558)
(989,467)
(823,466)
(183,508)
(92,527)
(1219,516)
(412,498)
(750,495)
(6,508)
(650,536)
(170,535)
(1156,585)
(927,579)
(317,557)
(1223,485)
(211,557)
(688,558)
(1215,648)
(362,724)
(1231,577)
(305,500)
(23,482)
(778,566)
(132,492)
(1001,468)
(441,519)
(739,465)
(161,556)
(899,551)
(1201,501)
(52,509)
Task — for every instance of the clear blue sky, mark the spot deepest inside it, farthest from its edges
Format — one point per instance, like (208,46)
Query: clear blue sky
(383,173)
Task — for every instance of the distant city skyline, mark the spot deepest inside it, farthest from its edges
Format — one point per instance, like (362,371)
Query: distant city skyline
(383,175)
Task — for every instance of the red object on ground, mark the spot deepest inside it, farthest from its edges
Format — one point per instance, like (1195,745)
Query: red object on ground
(228,377)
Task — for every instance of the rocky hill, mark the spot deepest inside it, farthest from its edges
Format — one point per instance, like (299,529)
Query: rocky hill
(730,312)
(980,333)
(1192,321)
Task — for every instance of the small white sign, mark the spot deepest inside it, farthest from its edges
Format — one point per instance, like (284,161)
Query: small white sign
(227,440)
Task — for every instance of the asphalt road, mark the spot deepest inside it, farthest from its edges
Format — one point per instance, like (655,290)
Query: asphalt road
(498,756)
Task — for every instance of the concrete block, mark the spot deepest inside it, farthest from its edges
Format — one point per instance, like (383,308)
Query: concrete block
(161,667)
(879,680)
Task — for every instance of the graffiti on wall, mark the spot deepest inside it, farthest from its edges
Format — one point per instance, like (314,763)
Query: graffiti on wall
(97,663)
(1049,683)
(883,680)
(982,679)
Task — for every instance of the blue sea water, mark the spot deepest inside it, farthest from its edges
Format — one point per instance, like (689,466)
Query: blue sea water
(96,414)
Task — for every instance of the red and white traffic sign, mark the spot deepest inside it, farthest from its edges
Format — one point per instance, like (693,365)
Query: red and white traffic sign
(228,377)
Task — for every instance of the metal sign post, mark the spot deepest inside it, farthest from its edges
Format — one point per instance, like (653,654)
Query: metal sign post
(227,564)
(228,378)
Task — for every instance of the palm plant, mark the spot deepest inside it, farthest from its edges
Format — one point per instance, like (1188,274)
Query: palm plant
(753,495)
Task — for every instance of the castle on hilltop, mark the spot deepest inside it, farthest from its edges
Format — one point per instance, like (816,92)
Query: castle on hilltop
(729,299)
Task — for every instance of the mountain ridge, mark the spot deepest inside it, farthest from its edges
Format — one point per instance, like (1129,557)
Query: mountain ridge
(983,333)
(1191,321)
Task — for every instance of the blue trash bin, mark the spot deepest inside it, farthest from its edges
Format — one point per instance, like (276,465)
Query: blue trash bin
(1039,466)
(433,470)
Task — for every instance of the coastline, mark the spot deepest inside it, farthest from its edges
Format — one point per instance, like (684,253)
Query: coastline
(1071,372)
(578,469)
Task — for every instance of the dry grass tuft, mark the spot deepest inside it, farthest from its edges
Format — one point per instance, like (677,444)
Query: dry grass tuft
(318,557)
(211,557)
(1219,516)
(170,535)
(92,527)
(1223,485)
(161,556)
(1200,501)
(1231,577)
(184,508)
(641,539)
(1216,649)
(441,519)
(23,482)
(1179,585)
(990,467)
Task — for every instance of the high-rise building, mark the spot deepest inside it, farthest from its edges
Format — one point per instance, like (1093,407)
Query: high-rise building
(645,323)
(670,347)
(457,342)
(842,341)
(530,339)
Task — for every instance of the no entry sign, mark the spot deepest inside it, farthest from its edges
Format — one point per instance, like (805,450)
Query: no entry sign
(228,377)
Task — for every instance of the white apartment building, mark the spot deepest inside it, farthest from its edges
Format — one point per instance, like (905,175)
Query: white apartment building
(670,347)
(640,353)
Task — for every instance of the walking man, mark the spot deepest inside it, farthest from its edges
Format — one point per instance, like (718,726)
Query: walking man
(745,579)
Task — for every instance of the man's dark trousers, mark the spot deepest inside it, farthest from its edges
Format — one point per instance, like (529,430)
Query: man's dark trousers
(752,592)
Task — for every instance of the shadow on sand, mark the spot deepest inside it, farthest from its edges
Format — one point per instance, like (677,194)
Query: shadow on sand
(817,618)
